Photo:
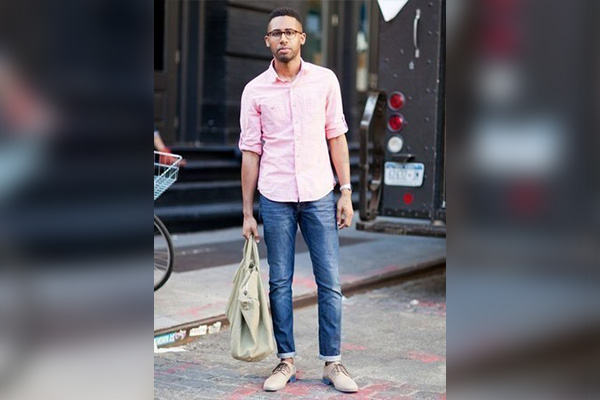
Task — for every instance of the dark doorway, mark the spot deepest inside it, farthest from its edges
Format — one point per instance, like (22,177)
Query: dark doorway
(166,60)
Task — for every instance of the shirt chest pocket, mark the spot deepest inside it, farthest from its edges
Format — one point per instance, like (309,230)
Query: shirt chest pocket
(314,109)
(276,113)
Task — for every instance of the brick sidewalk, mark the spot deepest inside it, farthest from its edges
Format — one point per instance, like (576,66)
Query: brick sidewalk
(394,346)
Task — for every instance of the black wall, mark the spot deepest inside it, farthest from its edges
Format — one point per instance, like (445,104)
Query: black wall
(234,54)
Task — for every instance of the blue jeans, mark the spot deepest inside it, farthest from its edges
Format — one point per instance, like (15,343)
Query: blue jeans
(317,220)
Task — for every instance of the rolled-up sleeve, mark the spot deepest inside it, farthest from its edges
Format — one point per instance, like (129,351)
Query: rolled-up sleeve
(251,133)
(335,123)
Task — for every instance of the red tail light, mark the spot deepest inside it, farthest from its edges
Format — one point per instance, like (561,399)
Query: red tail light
(396,122)
(396,101)
(408,198)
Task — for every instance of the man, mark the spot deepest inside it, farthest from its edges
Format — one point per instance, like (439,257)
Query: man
(289,114)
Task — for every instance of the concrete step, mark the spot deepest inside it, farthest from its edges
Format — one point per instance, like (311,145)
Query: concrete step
(208,152)
(195,193)
(210,170)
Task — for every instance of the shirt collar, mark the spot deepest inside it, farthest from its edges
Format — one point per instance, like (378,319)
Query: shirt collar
(304,68)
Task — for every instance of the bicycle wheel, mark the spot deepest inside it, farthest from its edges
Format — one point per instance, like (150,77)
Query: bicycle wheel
(163,254)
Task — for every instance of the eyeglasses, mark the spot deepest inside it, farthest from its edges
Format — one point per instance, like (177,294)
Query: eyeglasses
(289,33)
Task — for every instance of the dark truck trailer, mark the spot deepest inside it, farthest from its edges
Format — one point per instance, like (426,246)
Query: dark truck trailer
(402,131)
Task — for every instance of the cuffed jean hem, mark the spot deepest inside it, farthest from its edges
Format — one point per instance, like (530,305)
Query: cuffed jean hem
(330,358)
(286,355)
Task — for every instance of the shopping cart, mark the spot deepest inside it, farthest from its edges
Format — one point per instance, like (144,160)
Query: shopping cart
(166,168)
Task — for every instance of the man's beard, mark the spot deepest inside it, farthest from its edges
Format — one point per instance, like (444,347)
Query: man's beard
(285,58)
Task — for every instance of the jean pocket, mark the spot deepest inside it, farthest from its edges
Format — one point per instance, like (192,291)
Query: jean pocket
(327,199)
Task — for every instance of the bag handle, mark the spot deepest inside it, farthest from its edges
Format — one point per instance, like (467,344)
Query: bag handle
(251,251)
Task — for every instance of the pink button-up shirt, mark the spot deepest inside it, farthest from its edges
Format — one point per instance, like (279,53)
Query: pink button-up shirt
(288,124)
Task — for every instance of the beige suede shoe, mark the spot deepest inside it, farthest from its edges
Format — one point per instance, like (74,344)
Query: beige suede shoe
(336,374)
(280,376)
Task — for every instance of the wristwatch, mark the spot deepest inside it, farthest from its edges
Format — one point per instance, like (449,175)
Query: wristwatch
(347,186)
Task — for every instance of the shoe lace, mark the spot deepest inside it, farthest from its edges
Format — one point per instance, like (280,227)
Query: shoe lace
(339,368)
(282,367)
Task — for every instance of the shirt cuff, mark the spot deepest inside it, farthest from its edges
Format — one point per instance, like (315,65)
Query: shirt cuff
(336,131)
(253,148)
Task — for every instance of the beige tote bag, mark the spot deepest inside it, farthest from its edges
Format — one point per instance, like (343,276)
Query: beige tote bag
(248,311)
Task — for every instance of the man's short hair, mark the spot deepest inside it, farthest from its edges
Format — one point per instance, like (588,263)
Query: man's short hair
(285,11)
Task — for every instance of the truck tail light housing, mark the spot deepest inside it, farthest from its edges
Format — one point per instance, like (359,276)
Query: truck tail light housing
(395,144)
(396,101)
(396,122)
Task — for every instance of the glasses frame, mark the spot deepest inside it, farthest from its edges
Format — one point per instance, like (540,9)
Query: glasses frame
(283,32)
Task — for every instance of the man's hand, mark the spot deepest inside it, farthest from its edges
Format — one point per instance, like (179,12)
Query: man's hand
(250,228)
(344,210)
